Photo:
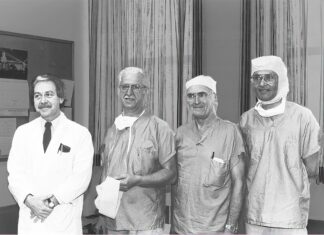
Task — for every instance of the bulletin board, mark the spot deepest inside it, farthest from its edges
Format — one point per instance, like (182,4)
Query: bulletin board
(23,57)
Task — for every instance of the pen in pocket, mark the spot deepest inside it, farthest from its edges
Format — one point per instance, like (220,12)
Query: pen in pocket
(212,157)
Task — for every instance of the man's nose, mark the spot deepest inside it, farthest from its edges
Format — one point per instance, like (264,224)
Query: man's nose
(43,99)
(129,90)
(262,82)
(196,99)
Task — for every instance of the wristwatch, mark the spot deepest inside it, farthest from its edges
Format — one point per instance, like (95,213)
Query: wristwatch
(230,227)
(51,202)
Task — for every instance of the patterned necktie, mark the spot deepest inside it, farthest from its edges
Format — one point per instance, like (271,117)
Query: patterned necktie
(47,135)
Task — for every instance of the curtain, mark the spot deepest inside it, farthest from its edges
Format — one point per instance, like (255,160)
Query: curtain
(321,98)
(160,36)
(275,27)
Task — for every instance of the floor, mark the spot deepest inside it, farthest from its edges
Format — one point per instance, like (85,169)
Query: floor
(9,218)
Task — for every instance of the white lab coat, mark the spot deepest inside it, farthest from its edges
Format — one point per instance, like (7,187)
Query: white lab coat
(64,174)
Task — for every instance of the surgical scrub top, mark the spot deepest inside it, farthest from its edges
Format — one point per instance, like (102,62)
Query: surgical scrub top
(277,181)
(202,195)
(152,144)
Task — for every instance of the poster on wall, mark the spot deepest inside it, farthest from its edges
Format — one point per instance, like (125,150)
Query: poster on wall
(13,64)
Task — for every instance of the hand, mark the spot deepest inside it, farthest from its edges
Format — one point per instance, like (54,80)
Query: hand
(38,207)
(128,181)
(230,229)
(100,226)
(228,232)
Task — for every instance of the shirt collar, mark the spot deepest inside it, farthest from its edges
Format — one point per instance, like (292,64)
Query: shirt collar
(55,122)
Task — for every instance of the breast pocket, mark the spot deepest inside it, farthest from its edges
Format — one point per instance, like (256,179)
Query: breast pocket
(145,160)
(216,176)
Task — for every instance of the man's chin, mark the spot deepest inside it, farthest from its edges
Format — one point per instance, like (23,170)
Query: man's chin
(128,106)
(129,103)
(199,115)
(265,99)
(43,113)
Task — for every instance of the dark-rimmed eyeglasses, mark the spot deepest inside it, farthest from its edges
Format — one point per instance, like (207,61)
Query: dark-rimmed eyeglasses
(133,87)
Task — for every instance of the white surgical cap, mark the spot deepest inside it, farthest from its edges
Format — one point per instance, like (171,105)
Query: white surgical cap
(203,81)
(275,64)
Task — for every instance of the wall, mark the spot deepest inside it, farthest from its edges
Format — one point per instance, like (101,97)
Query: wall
(221,52)
(61,19)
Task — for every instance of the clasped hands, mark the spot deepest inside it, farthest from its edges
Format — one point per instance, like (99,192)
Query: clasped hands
(39,207)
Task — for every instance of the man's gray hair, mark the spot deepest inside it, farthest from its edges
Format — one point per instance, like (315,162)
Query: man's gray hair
(136,71)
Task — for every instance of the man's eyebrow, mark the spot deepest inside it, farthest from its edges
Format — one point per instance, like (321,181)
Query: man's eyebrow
(37,92)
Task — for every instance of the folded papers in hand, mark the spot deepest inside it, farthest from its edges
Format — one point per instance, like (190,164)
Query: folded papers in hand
(109,197)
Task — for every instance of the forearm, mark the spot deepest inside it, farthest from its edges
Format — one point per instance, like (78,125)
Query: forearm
(311,165)
(157,179)
(236,202)
(19,180)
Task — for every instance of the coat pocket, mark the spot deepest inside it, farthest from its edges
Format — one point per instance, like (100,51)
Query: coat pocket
(216,176)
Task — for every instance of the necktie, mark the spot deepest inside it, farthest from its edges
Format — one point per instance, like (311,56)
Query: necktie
(47,135)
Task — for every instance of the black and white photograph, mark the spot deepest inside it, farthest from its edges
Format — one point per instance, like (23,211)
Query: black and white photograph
(13,63)
(153,117)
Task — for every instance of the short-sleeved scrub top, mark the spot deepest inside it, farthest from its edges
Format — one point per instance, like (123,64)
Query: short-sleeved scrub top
(152,144)
(202,194)
(277,181)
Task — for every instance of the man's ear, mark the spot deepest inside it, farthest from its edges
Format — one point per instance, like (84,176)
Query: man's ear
(61,100)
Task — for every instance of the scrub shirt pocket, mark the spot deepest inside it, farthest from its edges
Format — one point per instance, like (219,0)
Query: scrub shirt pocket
(216,174)
(145,158)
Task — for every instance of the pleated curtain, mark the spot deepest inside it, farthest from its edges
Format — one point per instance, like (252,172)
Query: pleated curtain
(160,36)
(321,97)
(275,27)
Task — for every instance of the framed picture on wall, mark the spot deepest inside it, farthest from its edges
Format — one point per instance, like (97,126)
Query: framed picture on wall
(22,58)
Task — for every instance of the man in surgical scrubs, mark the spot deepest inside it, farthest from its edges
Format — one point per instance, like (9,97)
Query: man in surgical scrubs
(282,142)
(140,152)
(209,192)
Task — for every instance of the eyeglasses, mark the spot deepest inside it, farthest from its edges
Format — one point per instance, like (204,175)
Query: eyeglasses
(133,87)
(268,79)
(200,95)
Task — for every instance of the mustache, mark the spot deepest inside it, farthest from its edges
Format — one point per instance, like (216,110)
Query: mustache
(41,106)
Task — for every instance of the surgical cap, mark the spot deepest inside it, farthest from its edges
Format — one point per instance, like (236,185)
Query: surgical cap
(203,81)
(275,64)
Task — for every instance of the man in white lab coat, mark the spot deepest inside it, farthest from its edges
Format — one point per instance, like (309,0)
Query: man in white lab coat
(50,165)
